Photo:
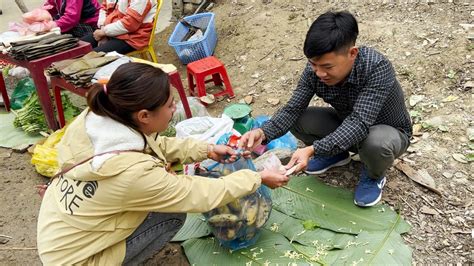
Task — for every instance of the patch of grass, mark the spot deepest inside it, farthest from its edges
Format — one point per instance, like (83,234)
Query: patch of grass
(470,46)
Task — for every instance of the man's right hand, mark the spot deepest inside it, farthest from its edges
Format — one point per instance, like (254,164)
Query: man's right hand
(274,179)
(252,139)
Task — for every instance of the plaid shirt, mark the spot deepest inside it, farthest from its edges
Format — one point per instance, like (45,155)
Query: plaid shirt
(371,95)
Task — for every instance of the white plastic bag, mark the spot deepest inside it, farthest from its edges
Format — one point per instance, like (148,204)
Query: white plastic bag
(19,72)
(205,128)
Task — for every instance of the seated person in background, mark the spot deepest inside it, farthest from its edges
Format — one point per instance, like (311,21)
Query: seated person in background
(124,26)
(76,17)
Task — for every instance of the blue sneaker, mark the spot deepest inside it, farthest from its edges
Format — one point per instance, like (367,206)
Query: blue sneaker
(369,190)
(320,164)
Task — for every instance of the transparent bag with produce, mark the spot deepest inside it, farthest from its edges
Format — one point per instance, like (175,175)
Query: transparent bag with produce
(238,224)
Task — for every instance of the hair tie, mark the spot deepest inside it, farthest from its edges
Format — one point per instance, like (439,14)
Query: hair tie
(104,82)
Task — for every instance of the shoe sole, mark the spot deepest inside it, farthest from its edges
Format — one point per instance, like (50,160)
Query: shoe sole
(340,163)
(374,202)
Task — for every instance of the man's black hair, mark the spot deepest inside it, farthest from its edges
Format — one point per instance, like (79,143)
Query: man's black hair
(330,32)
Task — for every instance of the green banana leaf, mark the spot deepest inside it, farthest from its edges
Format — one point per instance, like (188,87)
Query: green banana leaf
(275,247)
(285,241)
(270,249)
(374,248)
(293,229)
(368,248)
(195,226)
(307,198)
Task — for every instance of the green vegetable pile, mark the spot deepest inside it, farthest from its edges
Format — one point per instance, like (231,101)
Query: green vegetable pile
(31,118)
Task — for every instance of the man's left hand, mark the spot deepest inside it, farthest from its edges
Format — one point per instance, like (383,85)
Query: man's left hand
(300,158)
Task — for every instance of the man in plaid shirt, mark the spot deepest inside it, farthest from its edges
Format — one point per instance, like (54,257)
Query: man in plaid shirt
(367,114)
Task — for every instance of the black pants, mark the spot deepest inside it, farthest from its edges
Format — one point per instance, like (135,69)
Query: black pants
(82,30)
(378,151)
(112,44)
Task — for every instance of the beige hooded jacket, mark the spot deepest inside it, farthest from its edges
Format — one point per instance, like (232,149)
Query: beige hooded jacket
(87,214)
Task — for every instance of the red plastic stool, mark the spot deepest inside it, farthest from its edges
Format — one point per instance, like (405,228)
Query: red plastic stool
(200,69)
(58,83)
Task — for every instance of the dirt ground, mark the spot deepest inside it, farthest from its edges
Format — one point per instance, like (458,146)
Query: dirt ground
(261,42)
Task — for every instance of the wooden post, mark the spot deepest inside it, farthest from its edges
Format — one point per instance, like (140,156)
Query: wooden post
(21,6)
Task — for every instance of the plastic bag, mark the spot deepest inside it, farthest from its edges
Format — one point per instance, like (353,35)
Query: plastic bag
(37,15)
(206,128)
(22,91)
(286,141)
(259,120)
(45,156)
(197,110)
(238,224)
(273,163)
(37,20)
(19,72)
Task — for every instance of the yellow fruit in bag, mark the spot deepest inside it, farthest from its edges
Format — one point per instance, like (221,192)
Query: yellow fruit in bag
(45,155)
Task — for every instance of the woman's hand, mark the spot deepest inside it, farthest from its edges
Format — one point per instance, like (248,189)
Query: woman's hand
(99,34)
(41,189)
(274,179)
(300,159)
(221,153)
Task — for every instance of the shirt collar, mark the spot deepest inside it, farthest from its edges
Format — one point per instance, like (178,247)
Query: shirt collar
(353,78)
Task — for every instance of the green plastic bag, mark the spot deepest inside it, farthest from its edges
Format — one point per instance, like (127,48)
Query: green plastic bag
(22,91)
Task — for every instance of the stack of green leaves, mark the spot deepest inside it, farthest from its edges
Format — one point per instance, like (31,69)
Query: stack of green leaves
(311,223)
(31,118)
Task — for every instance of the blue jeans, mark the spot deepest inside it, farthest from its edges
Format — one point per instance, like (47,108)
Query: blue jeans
(150,237)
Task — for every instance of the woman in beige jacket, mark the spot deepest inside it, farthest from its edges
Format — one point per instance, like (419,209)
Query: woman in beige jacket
(123,206)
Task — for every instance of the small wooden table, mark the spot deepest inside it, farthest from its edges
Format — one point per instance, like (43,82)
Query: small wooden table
(37,68)
(58,84)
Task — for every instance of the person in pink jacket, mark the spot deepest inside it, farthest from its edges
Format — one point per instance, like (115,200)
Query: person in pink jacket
(76,17)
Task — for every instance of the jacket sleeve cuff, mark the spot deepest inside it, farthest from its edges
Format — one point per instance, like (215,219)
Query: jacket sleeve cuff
(203,150)
(322,147)
(268,135)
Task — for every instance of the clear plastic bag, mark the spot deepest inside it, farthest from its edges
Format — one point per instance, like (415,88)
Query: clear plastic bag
(196,107)
(238,224)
